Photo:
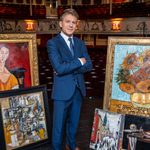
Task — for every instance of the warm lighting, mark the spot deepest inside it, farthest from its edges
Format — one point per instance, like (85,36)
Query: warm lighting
(119,1)
(30,25)
(116,24)
(50,6)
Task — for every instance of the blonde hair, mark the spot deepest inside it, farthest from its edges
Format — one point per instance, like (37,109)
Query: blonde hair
(67,12)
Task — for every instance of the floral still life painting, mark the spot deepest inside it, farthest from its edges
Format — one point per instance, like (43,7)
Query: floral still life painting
(127,82)
(132,75)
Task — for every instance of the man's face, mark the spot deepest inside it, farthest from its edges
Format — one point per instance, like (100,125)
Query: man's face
(68,24)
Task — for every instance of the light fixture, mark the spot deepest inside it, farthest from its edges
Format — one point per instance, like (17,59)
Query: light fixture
(116,24)
(30,25)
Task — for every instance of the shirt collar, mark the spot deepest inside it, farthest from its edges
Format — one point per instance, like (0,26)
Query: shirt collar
(65,37)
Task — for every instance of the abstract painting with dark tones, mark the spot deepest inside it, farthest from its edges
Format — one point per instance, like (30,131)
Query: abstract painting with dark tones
(136,135)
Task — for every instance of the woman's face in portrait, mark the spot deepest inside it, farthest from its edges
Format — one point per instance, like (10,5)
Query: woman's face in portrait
(4,53)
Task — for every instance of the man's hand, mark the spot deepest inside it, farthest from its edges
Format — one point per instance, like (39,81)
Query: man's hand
(83,60)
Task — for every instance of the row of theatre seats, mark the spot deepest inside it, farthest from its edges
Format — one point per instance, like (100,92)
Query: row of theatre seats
(94,80)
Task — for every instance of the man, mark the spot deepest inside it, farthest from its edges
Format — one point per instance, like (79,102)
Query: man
(70,61)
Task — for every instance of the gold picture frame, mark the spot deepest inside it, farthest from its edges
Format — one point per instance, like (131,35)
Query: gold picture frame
(22,61)
(127,80)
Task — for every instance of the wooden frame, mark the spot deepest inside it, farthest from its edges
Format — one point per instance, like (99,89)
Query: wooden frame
(127,78)
(22,60)
(24,118)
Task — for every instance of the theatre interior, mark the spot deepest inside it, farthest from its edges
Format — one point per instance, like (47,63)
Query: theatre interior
(115,113)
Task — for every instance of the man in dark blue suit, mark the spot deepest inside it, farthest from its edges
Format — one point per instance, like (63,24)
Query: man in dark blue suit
(70,60)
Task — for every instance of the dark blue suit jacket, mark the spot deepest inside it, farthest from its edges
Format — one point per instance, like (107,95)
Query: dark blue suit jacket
(68,70)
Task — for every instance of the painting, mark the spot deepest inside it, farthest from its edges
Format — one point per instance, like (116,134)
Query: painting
(136,133)
(24,119)
(18,61)
(51,11)
(127,81)
(107,130)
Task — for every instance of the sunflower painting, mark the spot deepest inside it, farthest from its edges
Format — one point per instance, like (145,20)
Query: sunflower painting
(131,73)
(127,83)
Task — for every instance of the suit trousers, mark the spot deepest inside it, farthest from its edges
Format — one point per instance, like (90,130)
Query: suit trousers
(66,112)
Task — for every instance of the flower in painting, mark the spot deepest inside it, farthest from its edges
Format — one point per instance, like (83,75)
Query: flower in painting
(134,73)
(130,61)
(145,57)
(127,87)
(143,86)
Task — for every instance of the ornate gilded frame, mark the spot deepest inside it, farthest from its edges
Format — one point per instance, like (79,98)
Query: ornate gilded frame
(18,43)
(127,79)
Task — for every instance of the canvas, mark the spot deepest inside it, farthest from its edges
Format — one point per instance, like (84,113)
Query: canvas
(106,130)
(136,135)
(24,120)
(22,71)
(127,81)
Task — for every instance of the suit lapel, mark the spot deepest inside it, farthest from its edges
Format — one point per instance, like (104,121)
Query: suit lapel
(64,45)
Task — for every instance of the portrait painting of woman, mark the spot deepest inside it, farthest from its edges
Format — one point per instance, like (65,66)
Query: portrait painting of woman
(7,80)
(14,66)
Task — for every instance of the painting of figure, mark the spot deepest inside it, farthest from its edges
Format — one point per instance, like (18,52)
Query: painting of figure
(18,61)
(136,133)
(14,67)
(106,131)
(7,79)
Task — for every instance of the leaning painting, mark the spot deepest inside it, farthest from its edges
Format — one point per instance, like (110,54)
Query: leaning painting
(127,84)
(107,130)
(136,133)
(24,118)
(18,61)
